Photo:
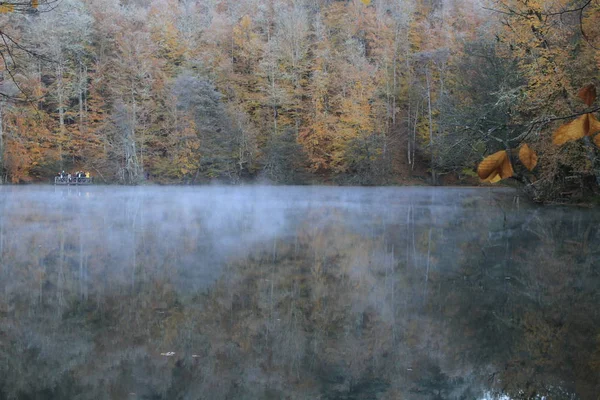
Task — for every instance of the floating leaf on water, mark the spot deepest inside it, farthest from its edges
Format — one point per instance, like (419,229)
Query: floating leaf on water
(587,94)
(528,157)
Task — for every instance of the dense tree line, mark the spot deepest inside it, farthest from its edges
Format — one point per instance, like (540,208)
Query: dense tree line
(359,91)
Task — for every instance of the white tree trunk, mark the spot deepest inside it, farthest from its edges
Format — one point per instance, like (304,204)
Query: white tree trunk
(1,143)
(431,141)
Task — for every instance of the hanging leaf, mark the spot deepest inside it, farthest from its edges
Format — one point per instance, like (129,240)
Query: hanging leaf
(528,157)
(6,8)
(594,125)
(495,167)
(572,131)
(34,3)
(587,94)
(495,179)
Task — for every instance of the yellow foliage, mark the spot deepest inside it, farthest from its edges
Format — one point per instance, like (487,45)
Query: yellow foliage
(495,167)
(585,125)
(6,8)
(594,125)
(528,157)
(242,32)
(366,2)
(572,131)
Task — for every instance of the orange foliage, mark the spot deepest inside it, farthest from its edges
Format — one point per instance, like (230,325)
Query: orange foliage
(495,167)
(572,131)
(587,94)
(528,157)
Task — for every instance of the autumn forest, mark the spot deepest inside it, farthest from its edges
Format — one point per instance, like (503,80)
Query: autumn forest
(362,92)
(221,245)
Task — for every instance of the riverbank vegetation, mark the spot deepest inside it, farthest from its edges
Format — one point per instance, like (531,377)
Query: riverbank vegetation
(295,91)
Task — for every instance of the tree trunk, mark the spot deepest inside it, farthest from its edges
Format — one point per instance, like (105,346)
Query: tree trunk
(431,141)
(81,92)
(132,168)
(1,144)
(60,93)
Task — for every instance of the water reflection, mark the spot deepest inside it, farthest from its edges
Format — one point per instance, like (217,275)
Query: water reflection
(273,293)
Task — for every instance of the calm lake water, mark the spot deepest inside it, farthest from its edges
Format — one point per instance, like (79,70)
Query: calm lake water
(296,293)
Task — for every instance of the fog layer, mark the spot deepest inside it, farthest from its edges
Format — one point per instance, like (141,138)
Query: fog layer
(295,292)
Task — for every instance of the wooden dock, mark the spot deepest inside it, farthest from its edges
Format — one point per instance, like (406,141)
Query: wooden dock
(73,181)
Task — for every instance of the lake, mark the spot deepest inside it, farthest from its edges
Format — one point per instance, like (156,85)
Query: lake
(296,293)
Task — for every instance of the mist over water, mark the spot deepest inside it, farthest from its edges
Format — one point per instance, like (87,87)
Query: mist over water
(295,292)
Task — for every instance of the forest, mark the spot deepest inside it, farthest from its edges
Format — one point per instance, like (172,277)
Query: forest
(353,92)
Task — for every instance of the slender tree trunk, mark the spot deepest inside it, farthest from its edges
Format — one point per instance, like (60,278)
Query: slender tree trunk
(1,143)
(131,160)
(273,66)
(411,143)
(395,78)
(431,141)
(61,109)
(81,92)
(60,92)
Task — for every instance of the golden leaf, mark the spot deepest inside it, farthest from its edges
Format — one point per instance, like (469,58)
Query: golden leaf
(495,167)
(6,8)
(528,157)
(495,179)
(34,3)
(587,94)
(594,125)
(572,131)
(366,2)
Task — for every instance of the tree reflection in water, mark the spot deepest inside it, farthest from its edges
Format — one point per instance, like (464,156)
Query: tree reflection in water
(273,293)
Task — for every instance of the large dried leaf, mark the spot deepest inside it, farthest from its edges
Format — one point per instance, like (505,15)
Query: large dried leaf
(528,157)
(495,179)
(6,8)
(587,94)
(495,167)
(572,131)
(594,125)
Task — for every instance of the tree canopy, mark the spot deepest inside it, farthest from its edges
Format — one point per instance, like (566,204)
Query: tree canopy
(372,92)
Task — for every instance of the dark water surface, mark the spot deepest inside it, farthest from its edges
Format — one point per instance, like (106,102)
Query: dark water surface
(296,293)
